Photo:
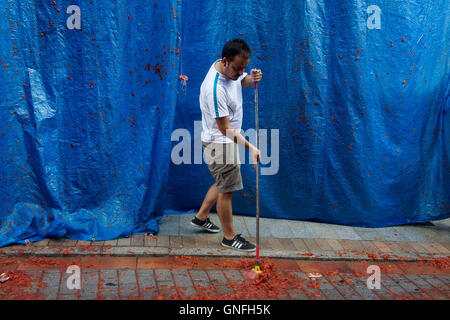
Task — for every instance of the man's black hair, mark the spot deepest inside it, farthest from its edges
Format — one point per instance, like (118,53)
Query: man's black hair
(234,48)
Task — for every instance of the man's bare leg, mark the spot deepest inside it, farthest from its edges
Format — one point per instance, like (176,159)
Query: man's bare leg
(208,202)
(225,212)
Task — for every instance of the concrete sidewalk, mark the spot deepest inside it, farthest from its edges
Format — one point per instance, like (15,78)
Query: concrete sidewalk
(279,239)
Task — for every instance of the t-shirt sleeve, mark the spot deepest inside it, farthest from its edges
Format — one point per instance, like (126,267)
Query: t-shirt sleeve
(243,76)
(220,100)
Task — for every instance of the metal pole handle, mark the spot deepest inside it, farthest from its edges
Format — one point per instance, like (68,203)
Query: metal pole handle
(257,175)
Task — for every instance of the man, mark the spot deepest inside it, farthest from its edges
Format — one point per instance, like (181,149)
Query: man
(221,106)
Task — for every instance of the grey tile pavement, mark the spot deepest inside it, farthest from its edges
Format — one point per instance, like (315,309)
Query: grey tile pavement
(439,231)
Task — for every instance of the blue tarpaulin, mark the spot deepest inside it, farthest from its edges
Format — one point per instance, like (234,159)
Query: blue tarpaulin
(90,96)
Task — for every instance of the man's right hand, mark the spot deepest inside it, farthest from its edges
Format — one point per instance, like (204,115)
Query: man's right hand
(255,154)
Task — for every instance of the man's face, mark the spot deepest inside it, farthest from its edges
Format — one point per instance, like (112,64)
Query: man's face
(235,68)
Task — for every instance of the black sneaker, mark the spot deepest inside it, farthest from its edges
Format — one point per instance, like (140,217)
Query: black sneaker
(238,243)
(205,225)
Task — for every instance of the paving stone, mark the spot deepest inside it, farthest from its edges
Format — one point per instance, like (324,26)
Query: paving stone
(233,275)
(408,285)
(217,276)
(146,278)
(278,229)
(88,293)
(110,243)
(335,244)
(201,242)
(412,233)
(213,241)
(275,244)
(162,241)
(404,234)
(169,225)
(300,245)
(389,234)
(150,241)
(445,278)
(147,284)
(239,223)
(187,291)
(68,297)
(83,243)
(324,245)
(109,284)
(182,278)
(429,247)
(264,243)
(382,246)
(314,294)
(360,286)
(345,232)
(355,245)
(322,230)
(405,247)
(51,281)
(369,246)
(69,243)
(393,246)
(56,242)
(185,227)
(176,242)
(163,275)
(201,284)
(440,248)
(65,283)
(436,282)
(393,289)
(325,287)
(137,240)
(312,245)
(297,294)
(299,230)
(346,291)
(368,234)
(89,285)
(189,242)
(124,242)
(223,289)
(166,289)
(32,286)
(332,294)
(41,243)
(128,287)
(436,289)
(199,275)
(418,280)
(287,244)
(418,248)
(432,235)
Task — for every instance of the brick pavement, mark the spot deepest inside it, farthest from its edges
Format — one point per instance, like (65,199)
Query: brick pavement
(190,277)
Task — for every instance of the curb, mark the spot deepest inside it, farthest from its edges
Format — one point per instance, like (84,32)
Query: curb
(213,252)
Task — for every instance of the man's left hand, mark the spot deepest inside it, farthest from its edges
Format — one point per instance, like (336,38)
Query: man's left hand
(256,75)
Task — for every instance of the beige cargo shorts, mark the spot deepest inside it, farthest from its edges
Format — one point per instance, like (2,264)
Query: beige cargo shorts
(223,163)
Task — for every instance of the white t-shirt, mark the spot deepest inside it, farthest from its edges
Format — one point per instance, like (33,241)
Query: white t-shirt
(220,97)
